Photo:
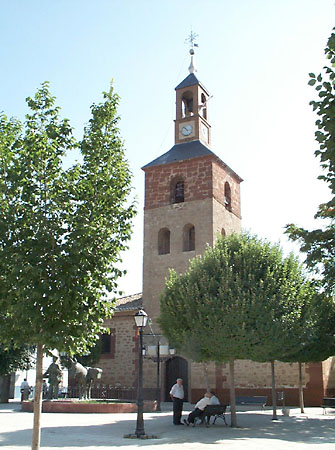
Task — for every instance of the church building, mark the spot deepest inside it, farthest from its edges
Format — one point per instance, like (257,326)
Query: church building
(191,198)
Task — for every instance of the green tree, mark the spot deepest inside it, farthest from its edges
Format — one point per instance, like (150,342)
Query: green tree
(12,359)
(240,300)
(61,230)
(315,335)
(319,244)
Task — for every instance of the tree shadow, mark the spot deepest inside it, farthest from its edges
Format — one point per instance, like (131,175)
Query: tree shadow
(255,426)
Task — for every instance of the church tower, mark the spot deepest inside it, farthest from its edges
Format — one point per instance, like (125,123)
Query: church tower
(191,195)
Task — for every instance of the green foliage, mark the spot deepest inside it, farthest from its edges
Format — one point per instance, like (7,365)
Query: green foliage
(15,358)
(241,300)
(315,330)
(319,244)
(92,357)
(61,231)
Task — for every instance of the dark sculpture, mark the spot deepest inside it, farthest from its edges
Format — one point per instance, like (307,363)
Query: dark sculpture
(54,373)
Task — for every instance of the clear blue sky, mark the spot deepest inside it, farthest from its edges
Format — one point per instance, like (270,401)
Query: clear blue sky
(254,57)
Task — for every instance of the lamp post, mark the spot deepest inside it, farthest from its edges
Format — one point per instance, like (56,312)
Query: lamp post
(158,353)
(141,320)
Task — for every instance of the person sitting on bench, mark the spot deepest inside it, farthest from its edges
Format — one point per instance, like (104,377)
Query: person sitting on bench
(199,408)
(214,399)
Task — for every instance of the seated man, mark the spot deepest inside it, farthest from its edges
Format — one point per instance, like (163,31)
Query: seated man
(199,408)
(214,399)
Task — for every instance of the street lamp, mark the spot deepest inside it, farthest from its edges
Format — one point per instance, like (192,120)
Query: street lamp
(158,354)
(141,320)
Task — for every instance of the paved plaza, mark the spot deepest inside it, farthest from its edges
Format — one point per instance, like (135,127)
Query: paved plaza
(256,431)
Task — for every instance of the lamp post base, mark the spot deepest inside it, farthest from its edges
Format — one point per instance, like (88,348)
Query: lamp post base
(142,436)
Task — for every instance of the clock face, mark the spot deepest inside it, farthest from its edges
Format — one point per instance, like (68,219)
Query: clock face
(204,132)
(187,129)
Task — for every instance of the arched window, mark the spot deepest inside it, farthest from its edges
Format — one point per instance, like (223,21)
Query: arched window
(227,196)
(187,104)
(178,192)
(203,106)
(163,241)
(188,238)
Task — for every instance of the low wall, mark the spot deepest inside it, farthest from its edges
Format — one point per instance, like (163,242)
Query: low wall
(68,406)
(312,397)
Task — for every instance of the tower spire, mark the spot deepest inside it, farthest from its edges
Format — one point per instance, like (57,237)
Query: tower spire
(191,40)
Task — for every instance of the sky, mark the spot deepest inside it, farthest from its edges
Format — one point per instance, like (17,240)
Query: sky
(254,57)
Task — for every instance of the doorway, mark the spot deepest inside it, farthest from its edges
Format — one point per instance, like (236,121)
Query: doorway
(176,367)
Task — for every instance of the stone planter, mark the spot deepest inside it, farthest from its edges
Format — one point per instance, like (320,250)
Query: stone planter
(69,406)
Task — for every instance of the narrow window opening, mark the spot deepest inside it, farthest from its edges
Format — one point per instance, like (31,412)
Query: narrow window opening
(189,238)
(178,192)
(163,241)
(203,106)
(227,196)
(105,343)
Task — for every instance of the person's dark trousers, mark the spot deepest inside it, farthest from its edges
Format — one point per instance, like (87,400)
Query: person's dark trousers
(195,413)
(177,410)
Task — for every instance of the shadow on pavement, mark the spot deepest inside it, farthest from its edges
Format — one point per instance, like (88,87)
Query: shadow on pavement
(252,425)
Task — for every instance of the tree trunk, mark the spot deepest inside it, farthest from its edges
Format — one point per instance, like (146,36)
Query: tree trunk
(4,388)
(232,394)
(38,399)
(206,377)
(301,392)
(274,394)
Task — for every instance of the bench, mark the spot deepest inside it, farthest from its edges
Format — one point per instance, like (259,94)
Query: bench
(327,402)
(216,411)
(251,400)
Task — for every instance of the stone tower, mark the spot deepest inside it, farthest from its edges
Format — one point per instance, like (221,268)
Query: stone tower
(191,195)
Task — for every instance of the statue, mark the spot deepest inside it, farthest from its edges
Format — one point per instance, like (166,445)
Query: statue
(93,374)
(83,377)
(78,372)
(54,373)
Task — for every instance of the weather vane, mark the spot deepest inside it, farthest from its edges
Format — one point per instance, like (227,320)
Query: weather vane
(191,40)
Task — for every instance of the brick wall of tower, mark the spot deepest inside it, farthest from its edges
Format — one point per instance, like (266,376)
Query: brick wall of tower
(196,172)
(204,177)
(220,177)
(155,266)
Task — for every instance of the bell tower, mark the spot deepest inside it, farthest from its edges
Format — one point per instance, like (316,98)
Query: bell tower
(191,106)
(191,110)
(191,195)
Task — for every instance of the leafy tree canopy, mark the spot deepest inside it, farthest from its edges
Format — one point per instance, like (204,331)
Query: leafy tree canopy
(240,300)
(319,244)
(15,358)
(61,230)
(314,331)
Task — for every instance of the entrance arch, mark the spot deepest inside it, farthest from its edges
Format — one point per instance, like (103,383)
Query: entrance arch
(176,367)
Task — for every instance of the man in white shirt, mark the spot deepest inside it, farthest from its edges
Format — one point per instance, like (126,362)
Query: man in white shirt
(177,396)
(25,390)
(199,408)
